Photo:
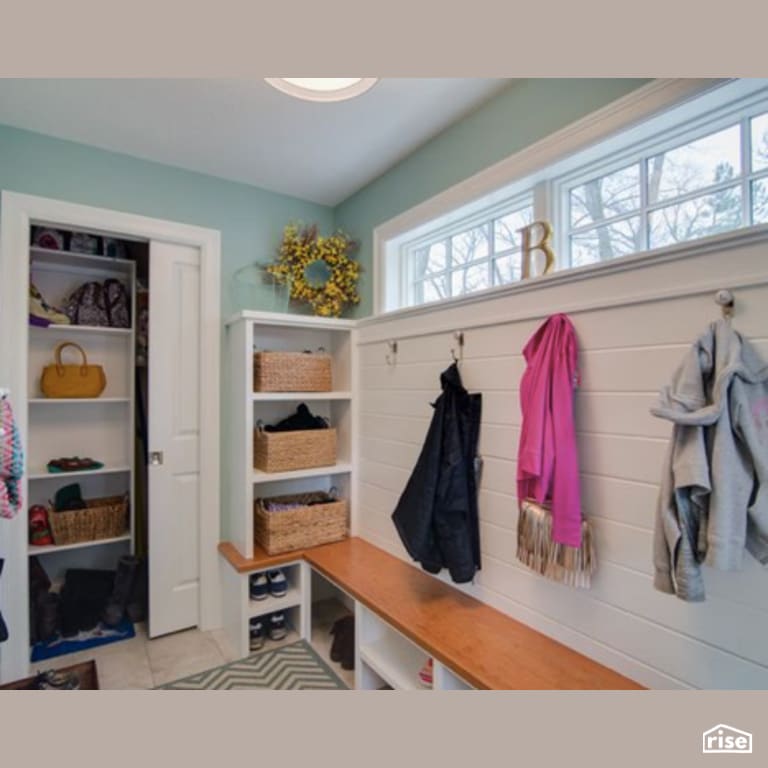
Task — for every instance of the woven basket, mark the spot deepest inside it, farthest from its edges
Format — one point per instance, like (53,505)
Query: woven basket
(103,518)
(304,526)
(299,449)
(291,372)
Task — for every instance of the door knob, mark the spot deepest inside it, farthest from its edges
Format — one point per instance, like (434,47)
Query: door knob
(156,458)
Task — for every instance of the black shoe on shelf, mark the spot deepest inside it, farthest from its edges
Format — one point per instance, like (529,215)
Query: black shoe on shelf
(276,626)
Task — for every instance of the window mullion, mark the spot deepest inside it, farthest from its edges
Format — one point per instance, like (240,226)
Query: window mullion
(449,265)
(644,218)
(746,173)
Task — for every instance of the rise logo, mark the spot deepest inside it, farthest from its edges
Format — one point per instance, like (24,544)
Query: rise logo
(724,739)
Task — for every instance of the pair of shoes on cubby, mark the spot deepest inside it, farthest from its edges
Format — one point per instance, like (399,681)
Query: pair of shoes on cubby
(267,584)
(272,625)
(426,673)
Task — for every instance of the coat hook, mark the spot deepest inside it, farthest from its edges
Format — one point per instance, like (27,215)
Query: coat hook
(725,299)
(391,356)
(459,336)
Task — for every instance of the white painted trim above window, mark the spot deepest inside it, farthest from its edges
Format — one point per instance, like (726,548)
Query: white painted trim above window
(495,182)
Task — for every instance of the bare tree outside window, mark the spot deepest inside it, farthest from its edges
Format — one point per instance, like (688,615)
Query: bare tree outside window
(609,201)
(472,259)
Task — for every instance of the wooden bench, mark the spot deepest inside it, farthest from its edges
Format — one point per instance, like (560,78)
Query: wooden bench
(483,646)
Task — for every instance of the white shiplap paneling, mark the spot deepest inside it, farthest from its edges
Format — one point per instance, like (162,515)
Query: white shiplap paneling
(626,354)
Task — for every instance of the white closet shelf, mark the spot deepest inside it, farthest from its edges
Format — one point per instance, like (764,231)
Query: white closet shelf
(33,550)
(269,397)
(40,473)
(297,474)
(262,607)
(84,329)
(79,400)
(64,260)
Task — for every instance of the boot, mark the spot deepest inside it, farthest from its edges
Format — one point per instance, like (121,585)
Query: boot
(138,601)
(121,593)
(348,645)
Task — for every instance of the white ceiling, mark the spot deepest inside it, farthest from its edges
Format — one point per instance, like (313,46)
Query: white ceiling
(245,130)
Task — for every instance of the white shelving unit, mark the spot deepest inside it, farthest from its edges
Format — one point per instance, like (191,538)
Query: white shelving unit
(252,331)
(101,428)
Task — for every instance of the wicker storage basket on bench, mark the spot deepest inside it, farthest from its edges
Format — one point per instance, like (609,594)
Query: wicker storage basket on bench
(104,518)
(300,527)
(291,372)
(300,449)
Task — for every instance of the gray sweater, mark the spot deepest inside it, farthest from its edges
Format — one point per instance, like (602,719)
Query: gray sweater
(713,500)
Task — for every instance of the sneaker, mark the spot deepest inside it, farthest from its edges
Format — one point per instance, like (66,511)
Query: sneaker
(278,584)
(258,587)
(53,680)
(425,673)
(257,634)
(277,629)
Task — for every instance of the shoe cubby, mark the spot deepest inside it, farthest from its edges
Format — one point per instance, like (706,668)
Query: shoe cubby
(446,680)
(272,603)
(383,650)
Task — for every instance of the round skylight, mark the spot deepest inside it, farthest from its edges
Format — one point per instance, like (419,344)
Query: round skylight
(322,88)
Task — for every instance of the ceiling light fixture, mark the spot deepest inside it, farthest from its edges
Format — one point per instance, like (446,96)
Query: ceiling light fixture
(322,88)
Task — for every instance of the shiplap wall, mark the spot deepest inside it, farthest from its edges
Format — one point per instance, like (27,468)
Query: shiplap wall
(634,325)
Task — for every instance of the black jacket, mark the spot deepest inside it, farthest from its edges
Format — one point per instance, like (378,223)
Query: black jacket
(436,515)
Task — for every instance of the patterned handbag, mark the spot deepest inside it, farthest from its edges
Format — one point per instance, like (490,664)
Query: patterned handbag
(87,305)
(118,304)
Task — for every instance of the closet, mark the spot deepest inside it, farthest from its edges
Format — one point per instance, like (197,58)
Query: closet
(108,428)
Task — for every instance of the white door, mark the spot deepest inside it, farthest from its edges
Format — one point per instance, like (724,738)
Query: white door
(174,437)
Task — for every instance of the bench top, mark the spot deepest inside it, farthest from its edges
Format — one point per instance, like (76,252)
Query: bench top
(486,647)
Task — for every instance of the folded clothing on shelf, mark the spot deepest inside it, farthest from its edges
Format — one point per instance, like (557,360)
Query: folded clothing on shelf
(281,506)
(302,419)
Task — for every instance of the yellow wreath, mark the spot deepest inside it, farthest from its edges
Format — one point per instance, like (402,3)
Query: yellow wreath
(318,269)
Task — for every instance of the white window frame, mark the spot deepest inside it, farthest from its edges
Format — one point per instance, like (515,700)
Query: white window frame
(522,170)
(738,112)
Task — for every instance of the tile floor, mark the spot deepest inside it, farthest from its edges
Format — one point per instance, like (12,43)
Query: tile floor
(141,663)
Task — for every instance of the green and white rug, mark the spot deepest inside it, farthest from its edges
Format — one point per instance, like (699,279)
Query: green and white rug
(295,667)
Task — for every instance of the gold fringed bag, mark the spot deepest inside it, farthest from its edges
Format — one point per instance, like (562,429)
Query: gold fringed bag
(573,566)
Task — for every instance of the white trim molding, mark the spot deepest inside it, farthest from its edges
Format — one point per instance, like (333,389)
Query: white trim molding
(17,212)
(623,113)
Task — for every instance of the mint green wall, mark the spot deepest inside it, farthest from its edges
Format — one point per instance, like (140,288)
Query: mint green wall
(250,219)
(520,115)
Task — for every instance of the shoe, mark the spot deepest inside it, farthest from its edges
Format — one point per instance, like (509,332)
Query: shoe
(114,610)
(53,680)
(343,630)
(277,629)
(257,634)
(425,673)
(258,588)
(41,313)
(73,464)
(278,584)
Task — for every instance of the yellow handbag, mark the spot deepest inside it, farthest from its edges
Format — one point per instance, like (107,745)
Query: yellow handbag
(84,380)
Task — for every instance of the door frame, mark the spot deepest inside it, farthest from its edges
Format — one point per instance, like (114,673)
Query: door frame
(17,211)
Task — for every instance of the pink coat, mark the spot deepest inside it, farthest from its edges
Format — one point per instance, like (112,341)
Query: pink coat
(547,460)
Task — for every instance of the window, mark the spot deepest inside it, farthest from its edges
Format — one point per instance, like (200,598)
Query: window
(697,167)
(673,192)
(472,255)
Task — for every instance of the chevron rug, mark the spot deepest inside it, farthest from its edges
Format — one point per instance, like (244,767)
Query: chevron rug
(294,667)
